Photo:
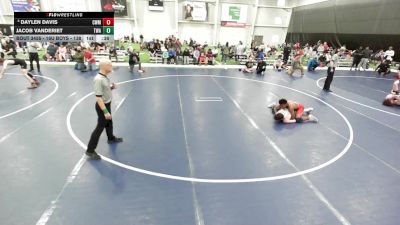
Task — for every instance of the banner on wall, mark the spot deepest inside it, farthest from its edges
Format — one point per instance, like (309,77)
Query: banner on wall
(156,5)
(233,15)
(6,29)
(195,11)
(119,7)
(26,5)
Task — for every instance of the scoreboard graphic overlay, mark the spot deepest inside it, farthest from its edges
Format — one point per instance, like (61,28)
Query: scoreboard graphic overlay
(64,26)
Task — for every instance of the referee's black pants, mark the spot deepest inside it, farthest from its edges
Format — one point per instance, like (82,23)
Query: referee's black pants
(34,56)
(329,78)
(101,124)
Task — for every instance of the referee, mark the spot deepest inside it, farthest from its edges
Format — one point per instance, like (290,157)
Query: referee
(102,90)
(33,55)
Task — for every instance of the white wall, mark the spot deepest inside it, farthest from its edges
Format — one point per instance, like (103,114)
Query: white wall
(199,32)
(154,24)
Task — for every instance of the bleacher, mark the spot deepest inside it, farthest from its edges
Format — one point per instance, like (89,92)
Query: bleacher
(345,62)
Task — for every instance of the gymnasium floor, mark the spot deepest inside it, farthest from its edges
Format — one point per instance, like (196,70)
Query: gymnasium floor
(200,147)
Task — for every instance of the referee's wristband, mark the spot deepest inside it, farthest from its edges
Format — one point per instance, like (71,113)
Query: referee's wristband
(105,111)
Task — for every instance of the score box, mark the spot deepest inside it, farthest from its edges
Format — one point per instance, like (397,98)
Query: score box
(108,30)
(108,21)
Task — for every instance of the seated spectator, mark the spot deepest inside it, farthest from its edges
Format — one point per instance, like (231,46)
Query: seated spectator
(172,56)
(380,56)
(79,59)
(164,55)
(89,58)
(322,59)
(51,52)
(152,51)
(210,57)
(312,64)
(278,64)
(202,58)
(261,66)
(248,66)
(383,68)
(61,53)
(389,54)
(196,56)
(100,48)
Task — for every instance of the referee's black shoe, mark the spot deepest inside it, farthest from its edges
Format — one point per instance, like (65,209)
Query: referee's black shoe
(115,140)
(93,155)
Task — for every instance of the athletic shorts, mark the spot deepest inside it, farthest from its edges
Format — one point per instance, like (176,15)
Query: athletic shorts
(300,110)
(22,63)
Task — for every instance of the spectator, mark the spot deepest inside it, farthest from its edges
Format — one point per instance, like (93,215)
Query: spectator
(380,56)
(79,59)
(113,53)
(248,66)
(296,64)
(62,53)
(357,54)
(172,56)
(51,52)
(383,68)
(164,54)
(320,49)
(141,38)
(210,57)
(196,56)
(240,50)
(225,52)
(343,51)
(261,66)
(389,54)
(366,54)
(89,58)
(278,64)
(202,58)
(286,53)
(10,47)
(186,56)
(134,59)
(260,55)
(312,64)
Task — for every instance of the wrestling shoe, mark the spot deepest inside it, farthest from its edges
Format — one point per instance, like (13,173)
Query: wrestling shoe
(307,111)
(271,105)
(33,85)
(313,119)
(36,82)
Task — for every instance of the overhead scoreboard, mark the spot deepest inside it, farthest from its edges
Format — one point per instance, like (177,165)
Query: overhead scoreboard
(64,26)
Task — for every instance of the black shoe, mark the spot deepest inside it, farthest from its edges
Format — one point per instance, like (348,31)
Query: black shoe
(328,90)
(31,70)
(115,140)
(93,155)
